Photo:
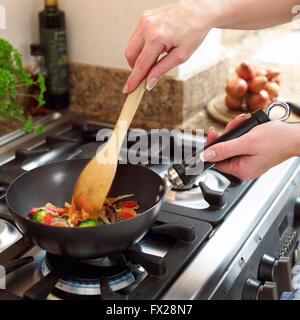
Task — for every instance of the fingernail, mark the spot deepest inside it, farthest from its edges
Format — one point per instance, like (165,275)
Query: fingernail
(247,115)
(207,155)
(151,83)
(125,89)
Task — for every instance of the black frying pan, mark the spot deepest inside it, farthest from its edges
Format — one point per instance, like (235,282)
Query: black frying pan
(54,183)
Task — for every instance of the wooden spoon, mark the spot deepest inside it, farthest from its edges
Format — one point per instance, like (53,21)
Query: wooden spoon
(95,180)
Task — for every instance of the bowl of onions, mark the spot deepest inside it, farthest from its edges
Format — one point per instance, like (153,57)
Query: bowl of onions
(252,88)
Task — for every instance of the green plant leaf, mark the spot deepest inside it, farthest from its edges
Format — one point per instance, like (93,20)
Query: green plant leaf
(28,124)
(13,77)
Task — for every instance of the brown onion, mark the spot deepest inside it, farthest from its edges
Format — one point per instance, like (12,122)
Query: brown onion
(245,71)
(258,100)
(236,87)
(257,84)
(233,103)
(272,73)
(273,89)
(261,72)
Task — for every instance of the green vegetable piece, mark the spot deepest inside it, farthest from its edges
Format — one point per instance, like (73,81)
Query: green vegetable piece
(39,216)
(89,223)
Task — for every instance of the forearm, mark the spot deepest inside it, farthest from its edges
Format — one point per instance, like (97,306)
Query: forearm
(180,27)
(252,14)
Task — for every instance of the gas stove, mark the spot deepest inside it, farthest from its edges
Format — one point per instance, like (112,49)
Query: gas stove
(210,241)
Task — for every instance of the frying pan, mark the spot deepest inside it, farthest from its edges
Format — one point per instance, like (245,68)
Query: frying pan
(54,183)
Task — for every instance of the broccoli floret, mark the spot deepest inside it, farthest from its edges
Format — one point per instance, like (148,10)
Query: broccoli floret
(89,223)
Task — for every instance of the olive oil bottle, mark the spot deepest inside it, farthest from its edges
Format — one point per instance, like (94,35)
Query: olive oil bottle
(53,37)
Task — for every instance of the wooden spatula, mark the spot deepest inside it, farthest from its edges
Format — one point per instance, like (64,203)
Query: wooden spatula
(96,178)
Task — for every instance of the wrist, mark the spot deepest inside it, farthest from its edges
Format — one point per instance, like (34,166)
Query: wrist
(217,11)
(206,11)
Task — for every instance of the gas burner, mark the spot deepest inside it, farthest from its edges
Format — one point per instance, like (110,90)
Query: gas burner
(191,195)
(210,198)
(83,277)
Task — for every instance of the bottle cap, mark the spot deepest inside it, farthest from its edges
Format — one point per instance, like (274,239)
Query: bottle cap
(50,3)
(37,49)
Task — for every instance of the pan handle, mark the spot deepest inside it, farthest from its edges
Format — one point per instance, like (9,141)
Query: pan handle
(180,173)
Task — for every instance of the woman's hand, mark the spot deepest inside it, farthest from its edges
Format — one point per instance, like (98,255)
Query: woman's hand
(179,28)
(252,154)
(176,29)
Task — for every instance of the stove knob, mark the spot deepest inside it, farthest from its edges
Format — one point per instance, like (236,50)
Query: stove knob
(213,197)
(276,270)
(255,290)
(251,289)
(265,270)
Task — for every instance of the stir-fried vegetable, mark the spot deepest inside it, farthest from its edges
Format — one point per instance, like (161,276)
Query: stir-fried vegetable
(112,211)
(39,215)
(89,223)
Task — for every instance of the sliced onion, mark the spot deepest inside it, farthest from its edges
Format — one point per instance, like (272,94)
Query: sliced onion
(103,218)
(112,200)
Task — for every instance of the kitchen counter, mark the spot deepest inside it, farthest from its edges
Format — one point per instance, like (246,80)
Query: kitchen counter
(7,126)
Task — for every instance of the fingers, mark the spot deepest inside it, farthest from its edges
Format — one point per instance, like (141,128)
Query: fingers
(135,45)
(143,63)
(240,118)
(245,167)
(232,166)
(211,135)
(172,59)
(134,49)
(226,150)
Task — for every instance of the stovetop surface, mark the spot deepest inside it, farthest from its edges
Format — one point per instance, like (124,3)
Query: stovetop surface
(187,220)
(147,268)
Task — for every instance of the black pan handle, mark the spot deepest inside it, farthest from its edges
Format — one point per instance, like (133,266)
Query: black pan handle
(294,107)
(191,164)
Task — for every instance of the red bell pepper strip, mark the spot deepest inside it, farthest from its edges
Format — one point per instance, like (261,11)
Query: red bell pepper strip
(33,211)
(126,213)
(48,218)
(128,204)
